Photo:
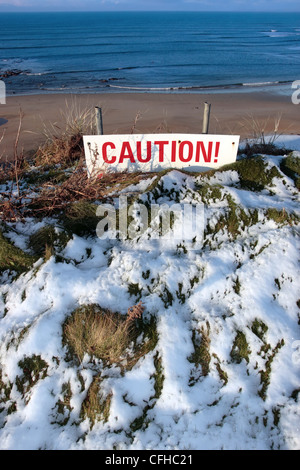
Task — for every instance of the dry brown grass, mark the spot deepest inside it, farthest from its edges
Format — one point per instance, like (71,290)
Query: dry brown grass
(57,175)
(263,134)
(109,336)
(201,355)
(64,146)
(99,333)
(53,195)
(96,405)
(60,150)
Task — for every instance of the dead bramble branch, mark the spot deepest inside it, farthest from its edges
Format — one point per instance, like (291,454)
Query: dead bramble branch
(135,312)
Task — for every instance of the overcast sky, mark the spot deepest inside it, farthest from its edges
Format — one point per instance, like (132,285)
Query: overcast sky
(120,5)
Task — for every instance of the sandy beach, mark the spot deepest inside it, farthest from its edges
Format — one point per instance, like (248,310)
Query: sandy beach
(231,113)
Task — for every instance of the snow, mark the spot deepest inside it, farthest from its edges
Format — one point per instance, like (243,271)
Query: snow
(211,413)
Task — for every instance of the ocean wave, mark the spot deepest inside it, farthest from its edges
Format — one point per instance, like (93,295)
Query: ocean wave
(133,88)
(280,34)
(267,84)
(260,83)
(35,74)
(69,88)
(203,87)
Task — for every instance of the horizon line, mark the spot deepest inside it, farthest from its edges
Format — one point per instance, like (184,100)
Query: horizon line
(149,11)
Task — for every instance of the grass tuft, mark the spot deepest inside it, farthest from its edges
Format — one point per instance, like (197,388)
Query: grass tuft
(259,328)
(96,405)
(108,336)
(240,349)
(65,146)
(281,217)
(5,392)
(34,368)
(265,375)
(43,241)
(80,218)
(201,355)
(99,333)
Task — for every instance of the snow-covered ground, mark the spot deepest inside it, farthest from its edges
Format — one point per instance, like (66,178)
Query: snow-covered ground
(224,284)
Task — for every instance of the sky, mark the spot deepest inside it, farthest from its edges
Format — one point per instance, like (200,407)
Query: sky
(146,5)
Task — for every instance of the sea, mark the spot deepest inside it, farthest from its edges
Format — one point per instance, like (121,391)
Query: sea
(168,52)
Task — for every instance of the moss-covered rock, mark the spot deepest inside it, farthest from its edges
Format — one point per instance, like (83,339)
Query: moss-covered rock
(80,218)
(281,217)
(254,173)
(209,192)
(234,220)
(290,166)
(13,258)
(44,240)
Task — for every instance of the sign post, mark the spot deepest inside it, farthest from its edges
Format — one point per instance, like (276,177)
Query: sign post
(99,121)
(206,116)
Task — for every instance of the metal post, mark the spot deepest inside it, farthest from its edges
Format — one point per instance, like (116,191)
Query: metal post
(99,122)
(206,118)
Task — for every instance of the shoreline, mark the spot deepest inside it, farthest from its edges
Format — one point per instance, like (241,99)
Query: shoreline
(240,113)
(274,87)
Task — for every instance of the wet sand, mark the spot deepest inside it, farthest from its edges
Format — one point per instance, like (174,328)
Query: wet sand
(231,113)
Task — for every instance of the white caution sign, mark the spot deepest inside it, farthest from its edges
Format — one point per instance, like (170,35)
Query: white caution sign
(154,152)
